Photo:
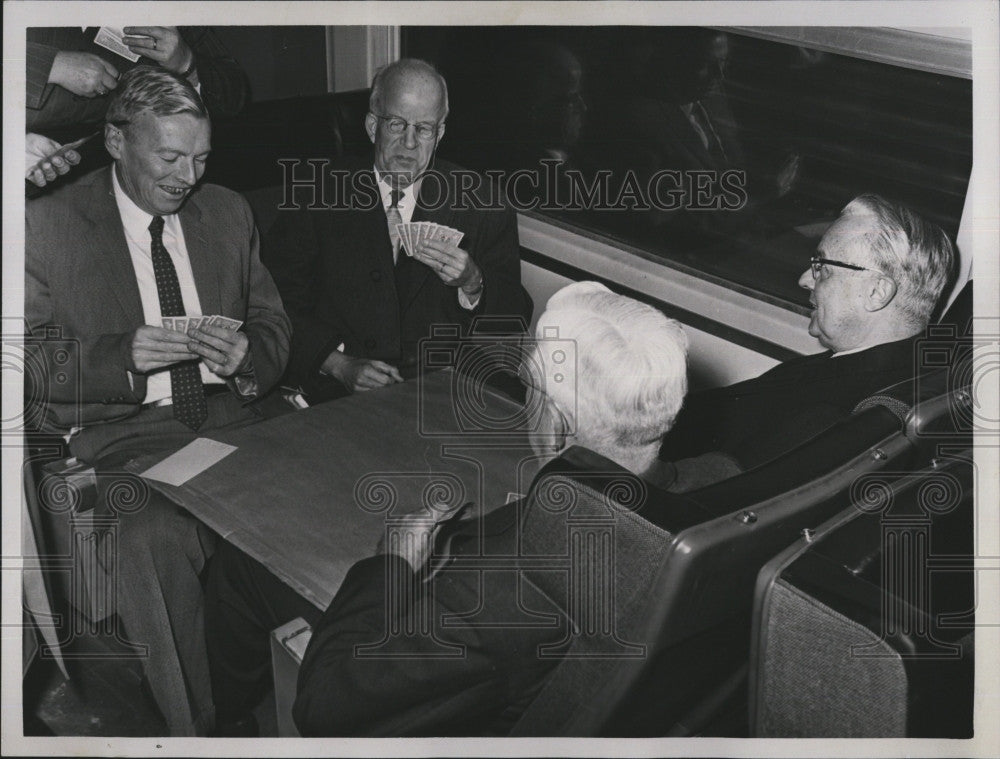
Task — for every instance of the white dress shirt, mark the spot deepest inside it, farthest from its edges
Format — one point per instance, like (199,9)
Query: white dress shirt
(407,199)
(135,222)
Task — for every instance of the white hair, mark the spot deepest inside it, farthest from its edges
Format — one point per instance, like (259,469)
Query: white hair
(622,372)
(913,251)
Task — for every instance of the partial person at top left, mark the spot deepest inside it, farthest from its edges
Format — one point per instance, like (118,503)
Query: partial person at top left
(72,72)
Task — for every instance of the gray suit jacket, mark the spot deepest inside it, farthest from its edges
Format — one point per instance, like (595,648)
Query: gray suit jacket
(81,296)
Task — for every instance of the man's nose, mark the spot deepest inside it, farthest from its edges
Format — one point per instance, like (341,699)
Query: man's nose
(187,171)
(410,137)
(807,280)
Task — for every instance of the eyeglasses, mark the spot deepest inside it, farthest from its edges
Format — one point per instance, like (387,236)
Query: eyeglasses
(396,125)
(817,263)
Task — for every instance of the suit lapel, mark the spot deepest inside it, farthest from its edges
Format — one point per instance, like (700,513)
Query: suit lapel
(108,241)
(205,265)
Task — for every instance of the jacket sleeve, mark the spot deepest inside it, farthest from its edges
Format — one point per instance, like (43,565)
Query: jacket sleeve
(267,325)
(357,679)
(497,253)
(292,254)
(224,84)
(39,58)
(66,369)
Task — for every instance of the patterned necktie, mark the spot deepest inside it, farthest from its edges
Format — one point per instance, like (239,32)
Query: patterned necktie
(393,217)
(186,389)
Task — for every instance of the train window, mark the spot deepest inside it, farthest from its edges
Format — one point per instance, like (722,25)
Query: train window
(714,152)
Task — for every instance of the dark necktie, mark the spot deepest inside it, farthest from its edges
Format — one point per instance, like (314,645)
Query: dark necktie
(393,217)
(185,378)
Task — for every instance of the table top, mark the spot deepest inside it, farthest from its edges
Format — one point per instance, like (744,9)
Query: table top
(309,493)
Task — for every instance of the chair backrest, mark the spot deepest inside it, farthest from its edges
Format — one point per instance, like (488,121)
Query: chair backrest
(854,632)
(684,567)
(664,566)
(594,539)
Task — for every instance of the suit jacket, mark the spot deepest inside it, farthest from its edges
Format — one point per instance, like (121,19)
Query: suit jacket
(419,685)
(761,418)
(335,272)
(80,287)
(224,86)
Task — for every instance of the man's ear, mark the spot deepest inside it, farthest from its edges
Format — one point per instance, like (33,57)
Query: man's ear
(882,291)
(564,426)
(371,125)
(113,139)
(440,134)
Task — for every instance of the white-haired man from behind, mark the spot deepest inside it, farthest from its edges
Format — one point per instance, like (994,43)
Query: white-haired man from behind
(609,374)
(610,379)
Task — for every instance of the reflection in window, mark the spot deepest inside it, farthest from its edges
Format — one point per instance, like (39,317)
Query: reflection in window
(716,152)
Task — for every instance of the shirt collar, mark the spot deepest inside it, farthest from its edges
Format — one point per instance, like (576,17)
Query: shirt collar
(408,195)
(849,352)
(135,221)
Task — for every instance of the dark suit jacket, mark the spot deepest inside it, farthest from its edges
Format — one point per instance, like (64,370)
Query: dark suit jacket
(416,688)
(79,279)
(424,691)
(224,86)
(335,272)
(761,418)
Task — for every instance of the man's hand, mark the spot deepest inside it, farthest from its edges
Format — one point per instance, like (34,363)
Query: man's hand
(413,541)
(453,265)
(83,74)
(162,44)
(225,351)
(43,160)
(155,348)
(358,374)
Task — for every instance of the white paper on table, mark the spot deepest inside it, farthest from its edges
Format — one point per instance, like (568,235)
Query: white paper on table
(191,460)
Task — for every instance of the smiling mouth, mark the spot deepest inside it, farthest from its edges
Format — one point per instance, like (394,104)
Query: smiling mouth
(175,192)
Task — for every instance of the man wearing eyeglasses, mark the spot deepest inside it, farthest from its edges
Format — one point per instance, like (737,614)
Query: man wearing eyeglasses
(874,282)
(359,295)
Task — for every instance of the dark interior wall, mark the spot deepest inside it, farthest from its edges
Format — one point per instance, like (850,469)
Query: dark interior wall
(281,61)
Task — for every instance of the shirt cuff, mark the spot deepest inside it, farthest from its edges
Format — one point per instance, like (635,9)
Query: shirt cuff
(246,382)
(469,304)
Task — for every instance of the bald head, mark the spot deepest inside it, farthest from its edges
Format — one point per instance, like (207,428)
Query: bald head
(412,76)
(405,121)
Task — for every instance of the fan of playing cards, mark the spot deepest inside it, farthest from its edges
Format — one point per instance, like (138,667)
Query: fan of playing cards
(184,323)
(417,232)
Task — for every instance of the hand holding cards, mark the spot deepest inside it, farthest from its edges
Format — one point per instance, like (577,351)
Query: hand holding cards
(436,246)
(416,233)
(112,38)
(184,323)
(216,340)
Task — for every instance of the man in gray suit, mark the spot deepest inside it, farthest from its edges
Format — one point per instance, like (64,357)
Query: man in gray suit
(129,263)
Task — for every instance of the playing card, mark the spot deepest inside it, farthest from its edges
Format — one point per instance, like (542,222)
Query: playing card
(168,322)
(110,38)
(195,321)
(411,236)
(451,236)
(181,323)
(226,323)
(401,231)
